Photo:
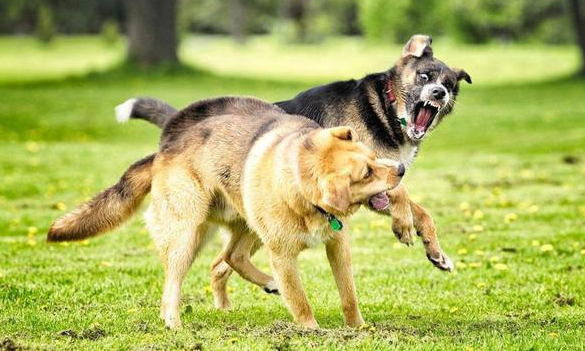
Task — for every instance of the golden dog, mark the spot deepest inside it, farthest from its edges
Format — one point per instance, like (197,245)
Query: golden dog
(258,172)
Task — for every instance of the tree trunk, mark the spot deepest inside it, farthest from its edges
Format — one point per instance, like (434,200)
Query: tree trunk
(576,9)
(298,11)
(152,31)
(238,25)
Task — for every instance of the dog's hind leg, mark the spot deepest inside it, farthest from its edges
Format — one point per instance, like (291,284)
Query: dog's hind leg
(177,222)
(240,247)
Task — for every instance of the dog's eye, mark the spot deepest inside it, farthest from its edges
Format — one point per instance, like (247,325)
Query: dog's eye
(423,77)
(448,85)
(368,173)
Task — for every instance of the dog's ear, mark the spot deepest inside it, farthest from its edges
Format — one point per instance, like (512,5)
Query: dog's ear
(462,75)
(418,46)
(335,193)
(343,133)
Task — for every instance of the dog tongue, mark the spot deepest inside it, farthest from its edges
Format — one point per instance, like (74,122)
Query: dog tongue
(423,118)
(379,201)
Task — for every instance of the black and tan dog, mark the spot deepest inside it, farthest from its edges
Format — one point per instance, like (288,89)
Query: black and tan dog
(393,111)
(246,165)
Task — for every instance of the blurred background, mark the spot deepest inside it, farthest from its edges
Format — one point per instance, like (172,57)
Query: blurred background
(502,176)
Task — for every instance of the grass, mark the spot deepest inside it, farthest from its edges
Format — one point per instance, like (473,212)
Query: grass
(502,177)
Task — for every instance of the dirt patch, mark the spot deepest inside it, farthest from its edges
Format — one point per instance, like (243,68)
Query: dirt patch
(8,344)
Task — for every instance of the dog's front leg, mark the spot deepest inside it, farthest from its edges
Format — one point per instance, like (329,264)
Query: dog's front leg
(402,219)
(340,262)
(283,263)
(425,227)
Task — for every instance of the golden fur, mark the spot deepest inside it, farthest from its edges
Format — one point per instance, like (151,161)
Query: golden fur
(261,174)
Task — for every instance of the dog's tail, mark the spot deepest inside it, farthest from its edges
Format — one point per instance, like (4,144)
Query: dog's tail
(109,208)
(154,111)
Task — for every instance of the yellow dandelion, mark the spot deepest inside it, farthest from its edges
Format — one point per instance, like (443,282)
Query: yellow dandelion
(372,329)
(479,252)
(1,275)
(60,206)
(64,244)
(462,251)
(480,285)
(474,264)
(32,230)
(494,259)
(460,265)
(469,348)
(464,206)
(453,309)
(533,209)
(472,237)
(106,264)
(500,266)
(583,252)
(478,228)
(379,223)
(84,242)
(553,335)
(207,289)
(131,310)
(467,213)
(546,248)
(230,289)
(526,174)
(510,217)
(576,245)
(32,147)
(397,246)
(31,242)
(477,214)
(535,243)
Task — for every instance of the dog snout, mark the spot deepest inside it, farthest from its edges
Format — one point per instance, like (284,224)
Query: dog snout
(401,170)
(438,92)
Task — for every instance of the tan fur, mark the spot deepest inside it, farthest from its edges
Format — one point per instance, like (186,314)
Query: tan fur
(286,173)
(108,209)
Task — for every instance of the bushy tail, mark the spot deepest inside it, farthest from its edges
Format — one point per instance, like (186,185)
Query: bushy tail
(154,111)
(109,208)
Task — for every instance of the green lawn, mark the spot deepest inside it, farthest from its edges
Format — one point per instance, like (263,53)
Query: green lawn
(503,178)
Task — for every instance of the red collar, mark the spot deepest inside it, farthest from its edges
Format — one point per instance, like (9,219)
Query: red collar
(390,93)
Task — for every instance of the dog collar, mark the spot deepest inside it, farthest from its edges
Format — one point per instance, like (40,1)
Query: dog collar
(392,99)
(333,221)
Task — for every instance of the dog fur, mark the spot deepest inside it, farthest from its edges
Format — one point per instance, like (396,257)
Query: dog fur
(375,106)
(258,172)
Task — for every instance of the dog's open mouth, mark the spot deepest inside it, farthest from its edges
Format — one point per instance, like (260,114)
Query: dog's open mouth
(424,114)
(379,201)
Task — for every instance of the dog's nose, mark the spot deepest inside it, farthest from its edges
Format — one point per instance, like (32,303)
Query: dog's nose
(401,170)
(438,92)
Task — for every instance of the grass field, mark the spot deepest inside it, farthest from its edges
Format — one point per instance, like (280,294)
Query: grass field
(503,178)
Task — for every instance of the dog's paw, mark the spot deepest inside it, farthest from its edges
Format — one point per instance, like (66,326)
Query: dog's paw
(404,230)
(441,261)
(271,288)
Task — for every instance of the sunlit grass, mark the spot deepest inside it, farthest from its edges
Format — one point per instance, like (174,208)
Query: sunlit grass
(25,59)
(502,178)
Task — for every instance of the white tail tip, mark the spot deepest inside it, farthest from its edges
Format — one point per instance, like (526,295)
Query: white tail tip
(123,111)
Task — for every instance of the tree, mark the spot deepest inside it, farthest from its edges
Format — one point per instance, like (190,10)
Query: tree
(238,25)
(152,31)
(576,10)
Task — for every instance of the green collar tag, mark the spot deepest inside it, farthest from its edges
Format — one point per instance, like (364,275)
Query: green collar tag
(403,121)
(334,223)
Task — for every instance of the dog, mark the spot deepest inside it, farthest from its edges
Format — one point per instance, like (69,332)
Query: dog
(393,111)
(259,172)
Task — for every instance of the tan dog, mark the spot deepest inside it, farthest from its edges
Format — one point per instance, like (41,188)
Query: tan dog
(258,172)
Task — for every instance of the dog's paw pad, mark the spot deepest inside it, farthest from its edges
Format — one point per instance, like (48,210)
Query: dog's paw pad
(443,262)
(271,288)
